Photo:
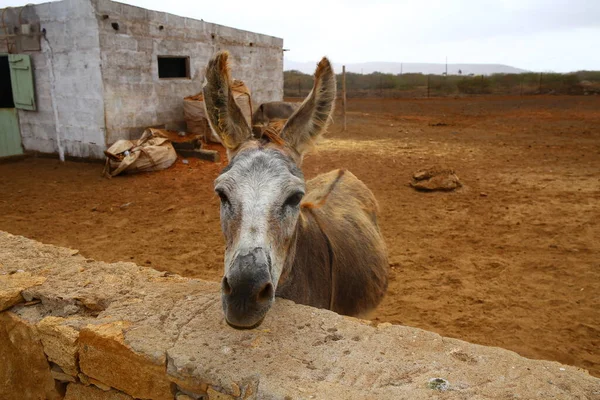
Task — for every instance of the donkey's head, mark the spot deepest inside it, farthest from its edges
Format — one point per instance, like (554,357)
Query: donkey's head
(260,190)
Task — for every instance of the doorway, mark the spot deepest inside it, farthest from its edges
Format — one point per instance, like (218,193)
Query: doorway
(10,135)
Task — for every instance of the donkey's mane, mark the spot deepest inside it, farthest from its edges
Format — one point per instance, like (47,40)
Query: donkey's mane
(272,131)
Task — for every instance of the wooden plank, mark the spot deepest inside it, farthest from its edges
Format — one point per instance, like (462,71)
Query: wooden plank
(209,155)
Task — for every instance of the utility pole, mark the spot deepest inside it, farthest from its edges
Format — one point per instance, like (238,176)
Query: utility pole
(446,65)
(344,94)
(521,86)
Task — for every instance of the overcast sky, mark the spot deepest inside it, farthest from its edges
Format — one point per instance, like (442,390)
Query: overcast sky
(538,35)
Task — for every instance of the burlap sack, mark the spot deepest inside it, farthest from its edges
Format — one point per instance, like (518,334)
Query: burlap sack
(195,113)
(152,152)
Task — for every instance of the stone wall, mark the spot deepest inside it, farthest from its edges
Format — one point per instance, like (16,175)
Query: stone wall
(135,97)
(69,66)
(76,328)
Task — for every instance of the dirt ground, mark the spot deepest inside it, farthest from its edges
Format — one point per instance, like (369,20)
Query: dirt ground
(511,259)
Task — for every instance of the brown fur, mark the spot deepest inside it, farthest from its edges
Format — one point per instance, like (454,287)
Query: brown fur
(271,132)
(336,257)
(224,116)
(338,214)
(312,118)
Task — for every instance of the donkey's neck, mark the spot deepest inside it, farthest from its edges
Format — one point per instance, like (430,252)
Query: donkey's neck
(306,276)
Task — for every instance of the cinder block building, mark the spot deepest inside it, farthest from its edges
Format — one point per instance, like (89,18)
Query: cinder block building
(77,75)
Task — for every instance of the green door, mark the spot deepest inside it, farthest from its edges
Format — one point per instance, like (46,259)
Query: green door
(10,136)
(21,78)
(16,92)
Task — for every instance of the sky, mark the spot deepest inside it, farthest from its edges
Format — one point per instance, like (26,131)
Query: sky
(536,35)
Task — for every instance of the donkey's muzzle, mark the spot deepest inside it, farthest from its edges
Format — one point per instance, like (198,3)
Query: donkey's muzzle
(247,291)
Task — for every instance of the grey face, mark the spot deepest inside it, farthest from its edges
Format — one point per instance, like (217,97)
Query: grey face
(260,193)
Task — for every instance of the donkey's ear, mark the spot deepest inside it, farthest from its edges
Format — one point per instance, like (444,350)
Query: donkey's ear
(224,115)
(311,119)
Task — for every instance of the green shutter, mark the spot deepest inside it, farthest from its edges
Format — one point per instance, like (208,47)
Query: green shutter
(21,77)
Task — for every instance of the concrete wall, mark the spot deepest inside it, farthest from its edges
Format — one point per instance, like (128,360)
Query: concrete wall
(70,56)
(106,84)
(136,98)
(83,329)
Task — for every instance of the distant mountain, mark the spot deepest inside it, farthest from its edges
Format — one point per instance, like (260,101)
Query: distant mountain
(396,68)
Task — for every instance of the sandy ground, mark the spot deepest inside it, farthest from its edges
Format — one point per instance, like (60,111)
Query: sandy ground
(512,259)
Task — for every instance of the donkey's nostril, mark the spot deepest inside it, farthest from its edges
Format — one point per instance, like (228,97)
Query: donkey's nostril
(266,293)
(225,287)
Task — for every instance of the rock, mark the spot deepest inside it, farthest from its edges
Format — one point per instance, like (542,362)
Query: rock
(439,384)
(24,371)
(59,375)
(214,395)
(99,385)
(76,391)
(60,343)
(11,286)
(104,357)
(436,178)
(181,396)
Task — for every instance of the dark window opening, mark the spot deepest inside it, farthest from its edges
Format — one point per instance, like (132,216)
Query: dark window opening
(6,95)
(173,67)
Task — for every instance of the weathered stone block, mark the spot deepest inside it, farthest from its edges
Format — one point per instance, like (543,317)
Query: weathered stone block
(215,395)
(24,371)
(60,343)
(60,376)
(104,356)
(11,286)
(77,391)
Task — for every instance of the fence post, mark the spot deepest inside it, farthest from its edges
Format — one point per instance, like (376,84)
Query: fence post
(427,86)
(299,94)
(521,87)
(540,84)
(344,94)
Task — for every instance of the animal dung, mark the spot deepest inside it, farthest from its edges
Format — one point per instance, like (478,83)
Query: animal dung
(435,179)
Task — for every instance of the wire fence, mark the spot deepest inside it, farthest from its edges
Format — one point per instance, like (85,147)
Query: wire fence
(297,84)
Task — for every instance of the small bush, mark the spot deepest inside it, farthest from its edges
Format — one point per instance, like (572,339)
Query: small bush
(415,84)
(474,85)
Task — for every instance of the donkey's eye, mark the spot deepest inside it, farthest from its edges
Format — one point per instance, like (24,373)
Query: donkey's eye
(223,197)
(293,200)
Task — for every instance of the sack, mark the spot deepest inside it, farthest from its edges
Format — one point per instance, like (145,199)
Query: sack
(195,118)
(194,111)
(152,152)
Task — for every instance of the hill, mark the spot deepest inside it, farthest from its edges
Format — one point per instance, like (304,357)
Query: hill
(396,68)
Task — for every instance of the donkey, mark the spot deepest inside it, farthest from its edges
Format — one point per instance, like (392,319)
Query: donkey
(317,242)
(274,110)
